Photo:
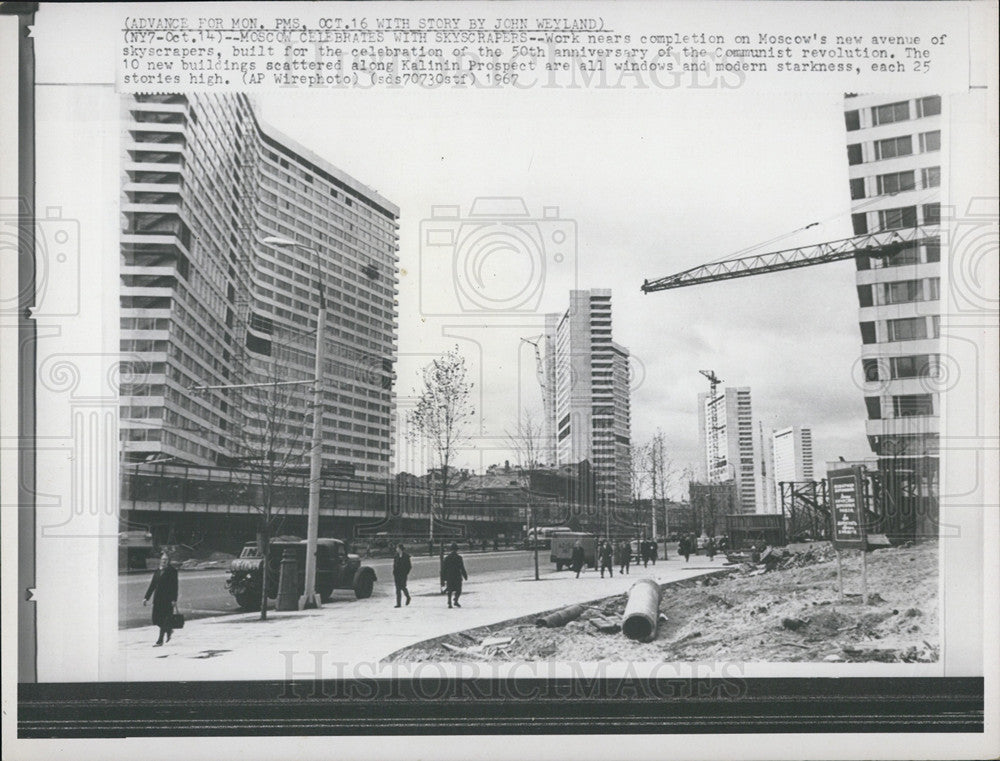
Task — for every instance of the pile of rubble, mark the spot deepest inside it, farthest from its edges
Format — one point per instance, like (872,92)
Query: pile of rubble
(792,613)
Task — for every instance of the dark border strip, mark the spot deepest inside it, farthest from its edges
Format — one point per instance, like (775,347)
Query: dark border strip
(500,706)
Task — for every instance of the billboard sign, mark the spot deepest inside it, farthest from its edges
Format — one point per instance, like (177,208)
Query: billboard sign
(847,503)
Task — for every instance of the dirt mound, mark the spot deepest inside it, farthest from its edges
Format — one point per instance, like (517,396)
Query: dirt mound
(794,613)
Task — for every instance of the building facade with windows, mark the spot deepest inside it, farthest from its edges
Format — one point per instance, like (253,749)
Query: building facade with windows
(590,400)
(206,301)
(726,437)
(895,160)
(791,457)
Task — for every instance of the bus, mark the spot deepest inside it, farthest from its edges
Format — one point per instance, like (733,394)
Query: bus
(542,537)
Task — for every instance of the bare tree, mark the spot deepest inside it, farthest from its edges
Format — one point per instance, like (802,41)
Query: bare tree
(527,443)
(441,415)
(662,474)
(273,447)
(638,478)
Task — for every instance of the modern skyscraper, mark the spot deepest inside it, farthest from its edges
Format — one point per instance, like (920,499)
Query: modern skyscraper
(792,458)
(207,301)
(728,447)
(589,376)
(894,154)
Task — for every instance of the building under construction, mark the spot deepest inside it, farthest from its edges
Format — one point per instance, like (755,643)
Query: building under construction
(895,161)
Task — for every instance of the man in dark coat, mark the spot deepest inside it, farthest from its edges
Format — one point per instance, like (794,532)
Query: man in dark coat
(163,588)
(654,549)
(452,574)
(644,551)
(624,557)
(606,560)
(401,566)
(684,548)
(576,560)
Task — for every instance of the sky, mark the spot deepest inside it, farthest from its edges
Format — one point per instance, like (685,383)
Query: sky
(646,184)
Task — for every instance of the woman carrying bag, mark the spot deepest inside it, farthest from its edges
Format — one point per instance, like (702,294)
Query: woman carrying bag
(163,588)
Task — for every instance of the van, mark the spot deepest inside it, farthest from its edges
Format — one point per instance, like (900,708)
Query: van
(562,548)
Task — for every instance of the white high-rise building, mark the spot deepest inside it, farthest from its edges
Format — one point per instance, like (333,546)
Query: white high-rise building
(792,458)
(895,160)
(726,435)
(588,399)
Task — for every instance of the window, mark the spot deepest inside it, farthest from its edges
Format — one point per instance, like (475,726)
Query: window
(933,252)
(874,405)
(865,295)
(857,188)
(917,366)
(930,141)
(891,112)
(868,332)
(909,405)
(897,182)
(908,329)
(894,219)
(930,177)
(932,213)
(907,255)
(930,106)
(932,288)
(870,368)
(852,120)
(893,147)
(860,222)
(854,155)
(901,292)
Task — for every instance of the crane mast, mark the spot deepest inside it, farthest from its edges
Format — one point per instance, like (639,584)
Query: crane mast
(886,243)
(713,418)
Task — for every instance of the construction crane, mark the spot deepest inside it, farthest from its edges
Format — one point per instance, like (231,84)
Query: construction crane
(539,365)
(548,401)
(883,244)
(713,416)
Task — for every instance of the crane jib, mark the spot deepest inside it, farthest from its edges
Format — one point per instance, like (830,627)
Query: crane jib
(882,244)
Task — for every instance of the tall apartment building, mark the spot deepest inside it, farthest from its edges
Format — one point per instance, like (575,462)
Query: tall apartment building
(895,159)
(726,437)
(206,301)
(791,458)
(589,405)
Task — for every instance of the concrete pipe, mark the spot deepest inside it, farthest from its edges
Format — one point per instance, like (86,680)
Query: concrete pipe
(561,617)
(642,611)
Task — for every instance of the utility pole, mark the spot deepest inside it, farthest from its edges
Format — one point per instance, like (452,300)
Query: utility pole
(309,599)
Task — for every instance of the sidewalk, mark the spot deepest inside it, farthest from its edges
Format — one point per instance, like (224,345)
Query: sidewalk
(348,632)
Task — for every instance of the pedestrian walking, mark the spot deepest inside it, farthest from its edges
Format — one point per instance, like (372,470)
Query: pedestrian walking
(654,549)
(624,557)
(684,548)
(163,588)
(576,559)
(710,549)
(606,560)
(644,549)
(401,566)
(452,574)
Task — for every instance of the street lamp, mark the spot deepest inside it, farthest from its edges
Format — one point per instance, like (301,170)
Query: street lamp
(316,451)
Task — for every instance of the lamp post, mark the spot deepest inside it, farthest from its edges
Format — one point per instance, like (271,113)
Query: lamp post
(309,599)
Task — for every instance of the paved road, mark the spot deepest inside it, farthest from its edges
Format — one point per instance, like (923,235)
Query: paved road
(204,593)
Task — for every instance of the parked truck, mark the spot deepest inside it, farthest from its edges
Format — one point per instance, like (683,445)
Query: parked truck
(336,568)
(563,543)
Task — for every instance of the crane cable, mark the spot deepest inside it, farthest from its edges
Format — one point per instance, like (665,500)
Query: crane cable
(868,202)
